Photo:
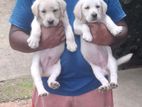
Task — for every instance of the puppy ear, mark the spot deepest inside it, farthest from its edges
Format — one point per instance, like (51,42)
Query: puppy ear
(78,10)
(35,8)
(62,5)
(103,7)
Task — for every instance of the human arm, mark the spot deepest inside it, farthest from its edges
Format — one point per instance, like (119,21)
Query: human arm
(102,36)
(50,38)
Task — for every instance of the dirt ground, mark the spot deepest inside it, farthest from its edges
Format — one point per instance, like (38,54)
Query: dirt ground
(12,62)
(12,65)
(21,103)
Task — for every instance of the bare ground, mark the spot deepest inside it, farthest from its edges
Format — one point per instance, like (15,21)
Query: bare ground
(21,103)
(13,64)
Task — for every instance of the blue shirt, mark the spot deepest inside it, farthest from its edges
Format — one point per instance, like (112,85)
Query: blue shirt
(76,77)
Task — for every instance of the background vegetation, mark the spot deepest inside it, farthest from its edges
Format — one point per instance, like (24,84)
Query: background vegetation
(133,9)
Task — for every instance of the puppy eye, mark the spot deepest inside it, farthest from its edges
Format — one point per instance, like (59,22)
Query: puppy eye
(97,6)
(87,7)
(55,10)
(43,11)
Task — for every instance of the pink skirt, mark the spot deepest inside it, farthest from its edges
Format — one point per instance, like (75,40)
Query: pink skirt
(91,99)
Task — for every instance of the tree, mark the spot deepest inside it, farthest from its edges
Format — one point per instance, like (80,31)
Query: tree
(133,9)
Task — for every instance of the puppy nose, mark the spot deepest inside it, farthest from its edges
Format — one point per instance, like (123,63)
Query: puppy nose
(94,16)
(50,22)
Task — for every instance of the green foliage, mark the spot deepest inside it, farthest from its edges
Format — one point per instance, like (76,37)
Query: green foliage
(126,1)
(16,89)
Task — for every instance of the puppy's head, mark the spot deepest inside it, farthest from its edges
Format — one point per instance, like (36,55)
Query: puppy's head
(90,10)
(49,12)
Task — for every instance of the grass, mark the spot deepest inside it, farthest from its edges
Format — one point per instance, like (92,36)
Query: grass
(16,89)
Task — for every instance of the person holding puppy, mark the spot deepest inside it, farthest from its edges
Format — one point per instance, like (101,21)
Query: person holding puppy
(78,84)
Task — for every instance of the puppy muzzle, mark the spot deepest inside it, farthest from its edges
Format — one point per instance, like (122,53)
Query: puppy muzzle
(93,17)
(50,22)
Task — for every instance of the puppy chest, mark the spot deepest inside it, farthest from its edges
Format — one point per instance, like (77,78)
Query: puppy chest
(49,57)
(95,54)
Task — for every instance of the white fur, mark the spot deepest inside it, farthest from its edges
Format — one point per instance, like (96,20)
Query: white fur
(46,11)
(99,57)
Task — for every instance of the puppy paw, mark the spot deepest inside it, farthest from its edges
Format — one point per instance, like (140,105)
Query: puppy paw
(113,85)
(117,30)
(42,92)
(71,46)
(104,87)
(54,84)
(88,37)
(33,42)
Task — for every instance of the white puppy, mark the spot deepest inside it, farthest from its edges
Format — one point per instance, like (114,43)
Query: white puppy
(49,13)
(99,57)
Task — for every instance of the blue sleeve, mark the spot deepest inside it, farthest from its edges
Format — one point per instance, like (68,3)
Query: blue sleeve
(115,10)
(22,15)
